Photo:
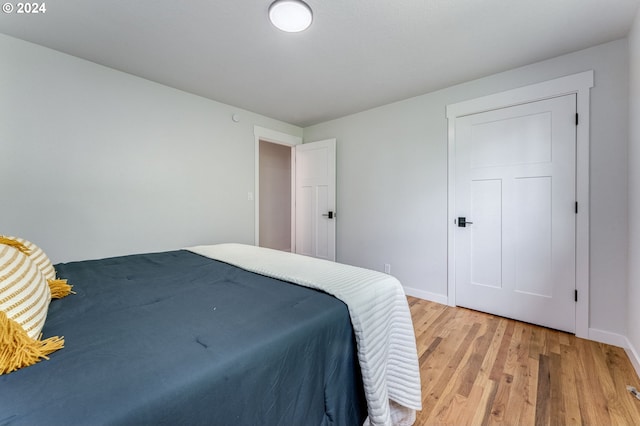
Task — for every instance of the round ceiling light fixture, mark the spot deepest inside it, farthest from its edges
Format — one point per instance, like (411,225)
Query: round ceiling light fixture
(291,16)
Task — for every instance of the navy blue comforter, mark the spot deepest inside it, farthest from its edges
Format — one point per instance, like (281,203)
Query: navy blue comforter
(175,338)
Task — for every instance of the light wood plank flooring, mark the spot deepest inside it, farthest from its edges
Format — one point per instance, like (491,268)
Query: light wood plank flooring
(480,369)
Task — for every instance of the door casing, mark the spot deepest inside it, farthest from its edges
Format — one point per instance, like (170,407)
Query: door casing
(273,136)
(580,84)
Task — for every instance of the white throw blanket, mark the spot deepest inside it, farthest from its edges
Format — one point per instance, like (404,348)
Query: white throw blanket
(379,315)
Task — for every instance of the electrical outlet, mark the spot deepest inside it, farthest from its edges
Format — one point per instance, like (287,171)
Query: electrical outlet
(387,268)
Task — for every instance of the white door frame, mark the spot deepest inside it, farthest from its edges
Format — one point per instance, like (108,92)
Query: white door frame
(580,84)
(273,136)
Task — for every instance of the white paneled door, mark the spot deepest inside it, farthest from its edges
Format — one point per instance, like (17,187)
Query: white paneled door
(515,212)
(315,199)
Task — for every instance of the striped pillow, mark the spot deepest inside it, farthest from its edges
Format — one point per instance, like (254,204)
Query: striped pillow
(24,301)
(59,287)
(24,292)
(37,255)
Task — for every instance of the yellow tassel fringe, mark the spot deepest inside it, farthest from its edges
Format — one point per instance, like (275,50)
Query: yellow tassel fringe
(13,243)
(60,288)
(18,350)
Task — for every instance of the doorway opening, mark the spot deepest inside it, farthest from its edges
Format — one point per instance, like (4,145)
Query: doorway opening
(274,197)
(295,187)
(269,227)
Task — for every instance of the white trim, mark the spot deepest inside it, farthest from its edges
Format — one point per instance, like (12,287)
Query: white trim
(276,137)
(273,136)
(425,295)
(608,337)
(574,83)
(633,355)
(580,84)
(292,247)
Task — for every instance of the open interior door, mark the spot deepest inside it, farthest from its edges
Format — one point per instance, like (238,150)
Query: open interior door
(315,199)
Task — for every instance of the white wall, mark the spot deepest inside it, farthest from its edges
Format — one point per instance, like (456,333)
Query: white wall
(392,180)
(633,322)
(97,163)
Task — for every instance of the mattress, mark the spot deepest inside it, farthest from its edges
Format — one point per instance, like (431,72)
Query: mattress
(178,338)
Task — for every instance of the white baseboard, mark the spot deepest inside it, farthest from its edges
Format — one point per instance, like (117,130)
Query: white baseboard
(608,337)
(634,357)
(426,295)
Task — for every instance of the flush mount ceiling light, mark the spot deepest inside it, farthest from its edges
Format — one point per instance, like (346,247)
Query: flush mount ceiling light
(291,16)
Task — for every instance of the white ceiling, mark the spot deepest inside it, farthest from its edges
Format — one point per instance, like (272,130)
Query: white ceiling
(357,54)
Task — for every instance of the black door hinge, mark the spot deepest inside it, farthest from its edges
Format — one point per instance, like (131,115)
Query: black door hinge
(577,119)
(576,207)
(576,295)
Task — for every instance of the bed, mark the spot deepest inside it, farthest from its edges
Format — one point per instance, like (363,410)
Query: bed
(225,335)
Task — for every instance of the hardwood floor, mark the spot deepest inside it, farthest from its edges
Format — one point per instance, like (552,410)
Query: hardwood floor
(479,369)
